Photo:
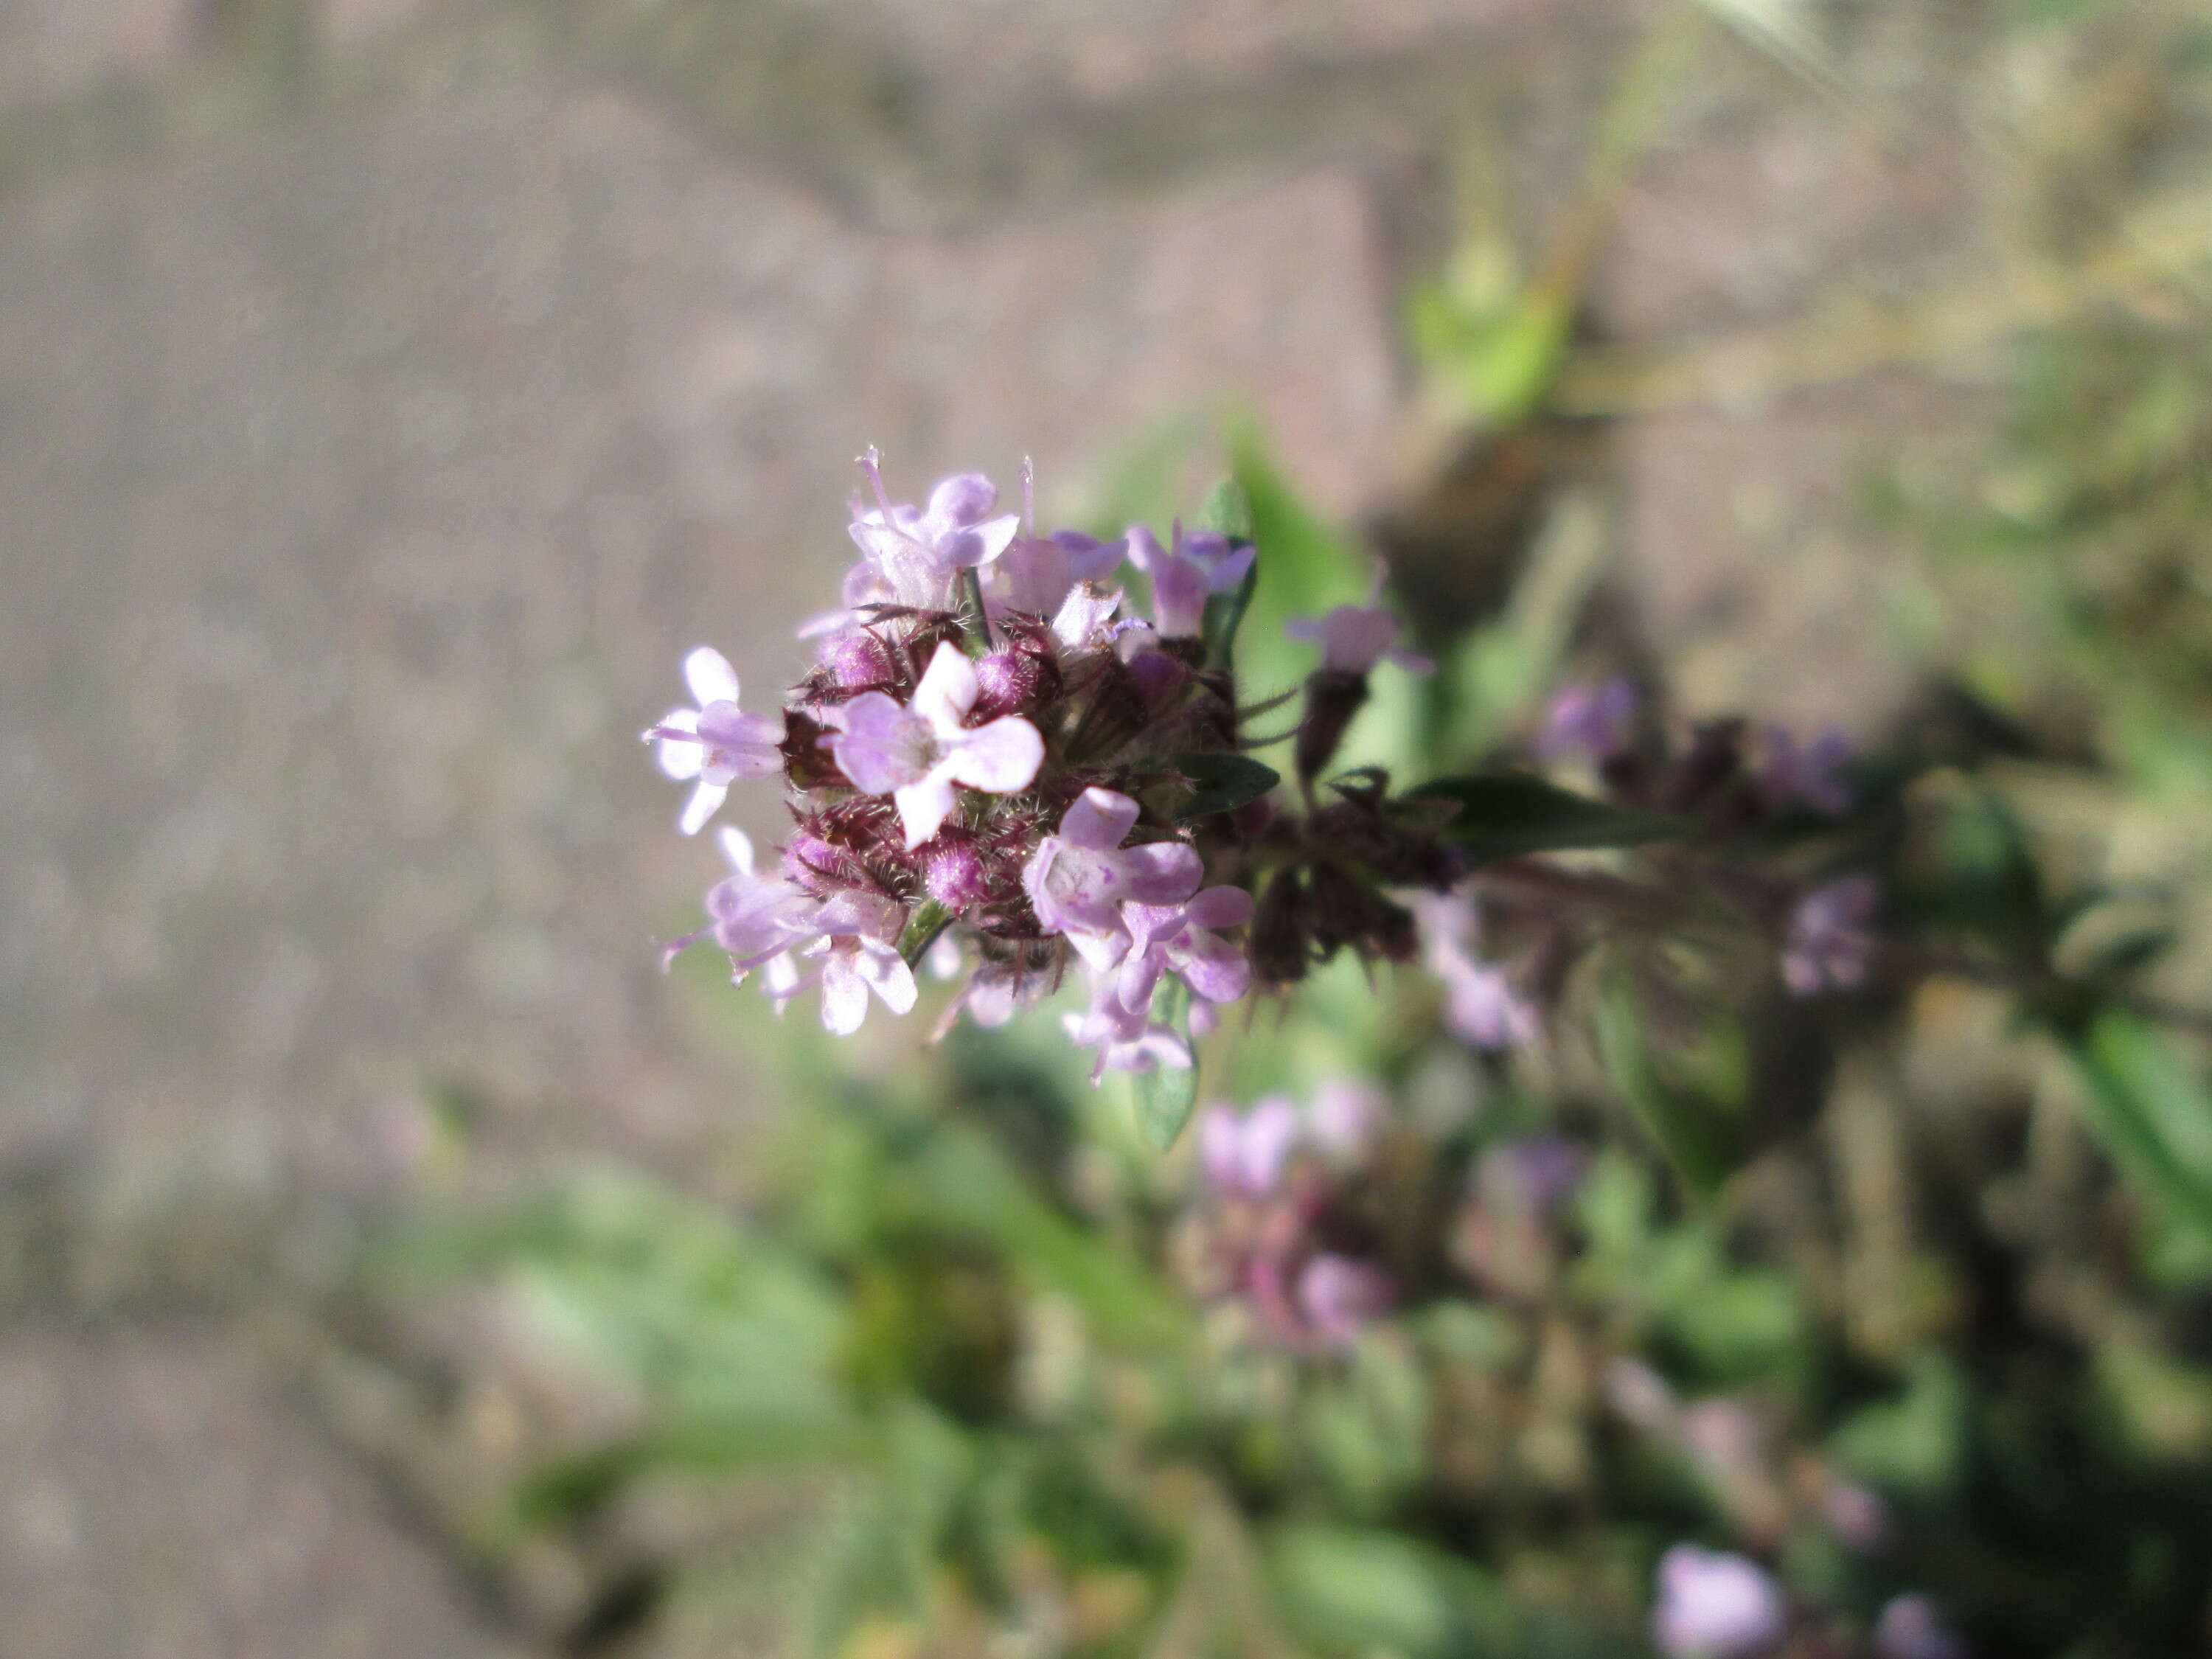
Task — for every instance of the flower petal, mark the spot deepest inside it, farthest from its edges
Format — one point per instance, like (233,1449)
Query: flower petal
(998,758)
(1212,967)
(882,968)
(736,847)
(875,744)
(961,500)
(844,996)
(710,676)
(1098,819)
(676,758)
(1163,872)
(947,690)
(706,801)
(1219,906)
(924,804)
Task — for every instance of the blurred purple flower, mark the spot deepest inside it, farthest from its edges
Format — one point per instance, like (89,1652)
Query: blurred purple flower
(916,754)
(1811,774)
(1243,1153)
(1339,1297)
(1591,722)
(714,743)
(1911,1628)
(1831,940)
(1344,1116)
(1537,1173)
(1125,1042)
(1480,1006)
(1715,1606)
(1353,638)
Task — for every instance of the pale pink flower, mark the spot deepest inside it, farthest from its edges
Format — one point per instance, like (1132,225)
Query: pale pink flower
(1183,575)
(917,753)
(1243,1153)
(714,743)
(1353,638)
(854,952)
(1183,940)
(1078,879)
(1339,1297)
(1715,1606)
(912,556)
(1831,941)
(1480,1006)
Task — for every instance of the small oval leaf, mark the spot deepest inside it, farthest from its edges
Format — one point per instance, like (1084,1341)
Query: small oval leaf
(1224,781)
(1509,815)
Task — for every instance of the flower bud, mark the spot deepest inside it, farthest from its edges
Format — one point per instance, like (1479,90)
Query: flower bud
(859,661)
(954,873)
(1333,698)
(1281,946)
(1015,679)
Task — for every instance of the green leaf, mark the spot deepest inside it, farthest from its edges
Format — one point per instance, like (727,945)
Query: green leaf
(2151,1111)
(1229,511)
(1369,1590)
(1166,1097)
(1691,1131)
(1223,780)
(1508,814)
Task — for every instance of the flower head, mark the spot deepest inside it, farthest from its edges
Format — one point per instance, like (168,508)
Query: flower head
(1078,879)
(915,754)
(1715,1606)
(1183,573)
(714,743)
(1831,940)
(1125,1042)
(1353,638)
(755,918)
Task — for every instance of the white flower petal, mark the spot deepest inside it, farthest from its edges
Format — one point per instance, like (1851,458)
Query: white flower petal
(736,847)
(924,804)
(710,676)
(844,998)
(884,969)
(998,758)
(947,690)
(706,801)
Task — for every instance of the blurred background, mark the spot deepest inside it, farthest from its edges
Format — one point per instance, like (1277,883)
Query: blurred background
(391,391)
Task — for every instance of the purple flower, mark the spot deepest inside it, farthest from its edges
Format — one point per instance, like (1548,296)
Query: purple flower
(1078,879)
(1202,562)
(1125,1042)
(1243,1153)
(1343,1117)
(854,953)
(1911,1628)
(1831,941)
(913,556)
(1811,775)
(1715,1606)
(1589,722)
(1339,1297)
(917,753)
(1181,940)
(1480,1006)
(1353,638)
(1084,615)
(755,919)
(714,743)
(1537,1173)
(1037,573)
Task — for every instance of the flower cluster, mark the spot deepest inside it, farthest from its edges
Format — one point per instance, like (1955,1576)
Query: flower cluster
(1278,1235)
(996,748)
